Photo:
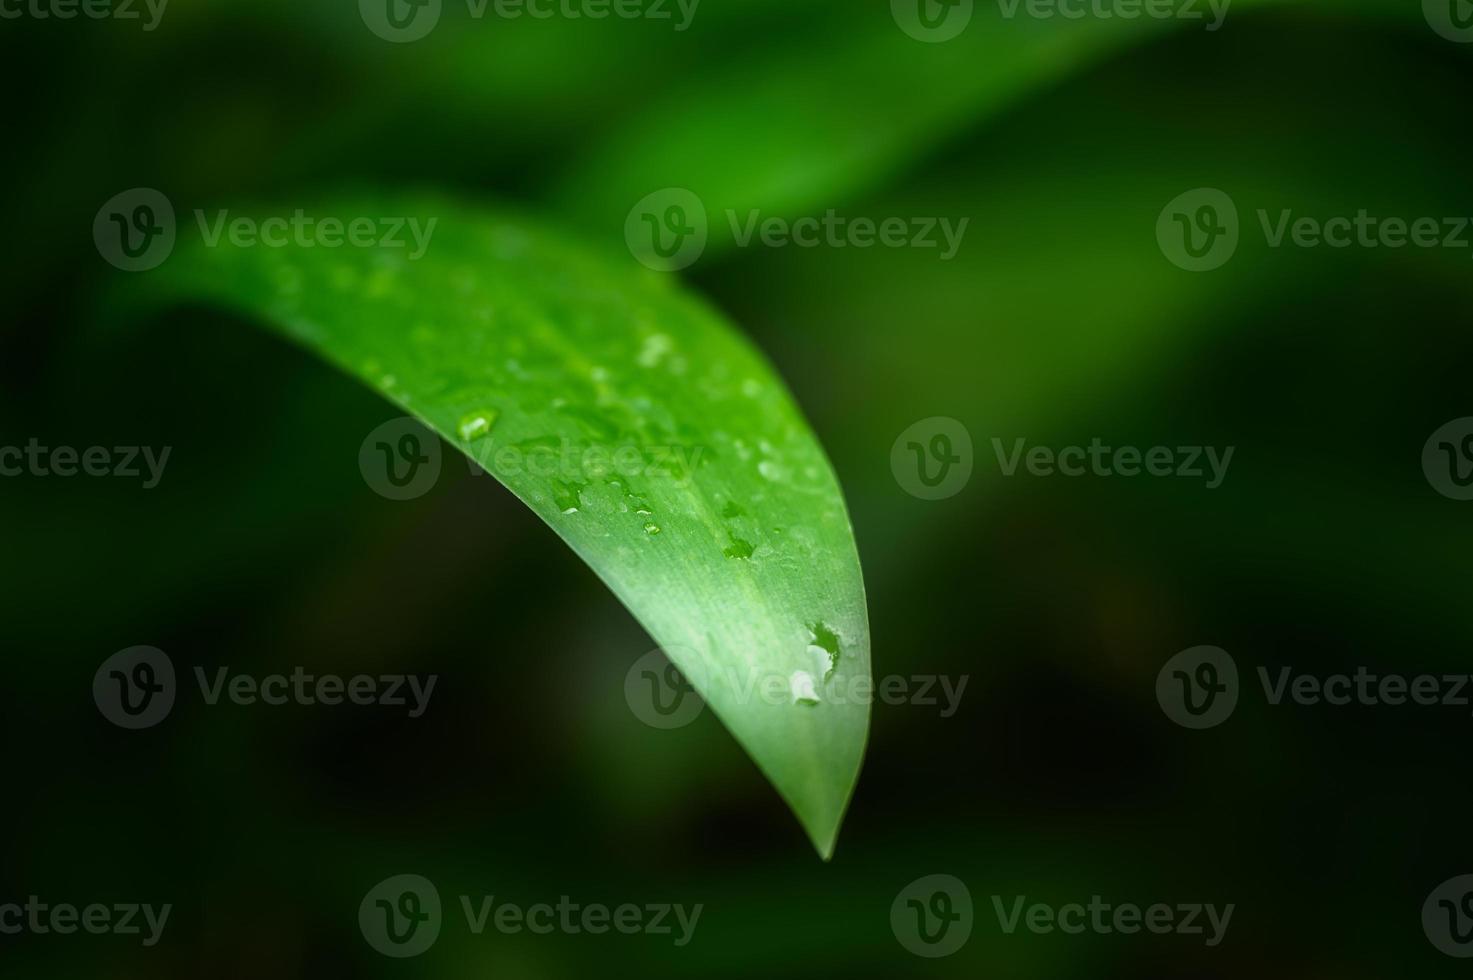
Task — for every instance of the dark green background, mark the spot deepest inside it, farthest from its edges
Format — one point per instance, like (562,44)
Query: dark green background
(1060,321)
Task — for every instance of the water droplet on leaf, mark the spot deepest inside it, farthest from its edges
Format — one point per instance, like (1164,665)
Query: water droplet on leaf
(477,424)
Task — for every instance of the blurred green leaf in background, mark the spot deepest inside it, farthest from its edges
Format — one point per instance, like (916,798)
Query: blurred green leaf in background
(1059,320)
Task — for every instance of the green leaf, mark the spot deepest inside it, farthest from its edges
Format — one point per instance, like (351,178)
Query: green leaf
(708,506)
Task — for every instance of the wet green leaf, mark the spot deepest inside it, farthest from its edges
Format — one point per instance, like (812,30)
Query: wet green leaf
(649,434)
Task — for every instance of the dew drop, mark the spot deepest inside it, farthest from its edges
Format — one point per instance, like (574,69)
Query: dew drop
(656,346)
(477,424)
(801,684)
(738,549)
(568,496)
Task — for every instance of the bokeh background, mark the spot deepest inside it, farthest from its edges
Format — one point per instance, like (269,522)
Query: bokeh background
(1058,778)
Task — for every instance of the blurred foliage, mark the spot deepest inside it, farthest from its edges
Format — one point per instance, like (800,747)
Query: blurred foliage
(1059,321)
